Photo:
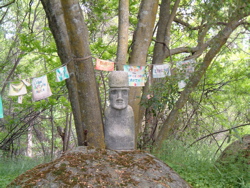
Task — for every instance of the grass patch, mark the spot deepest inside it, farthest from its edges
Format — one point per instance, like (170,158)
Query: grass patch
(11,168)
(197,165)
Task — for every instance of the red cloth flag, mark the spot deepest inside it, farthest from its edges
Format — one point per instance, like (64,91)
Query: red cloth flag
(104,65)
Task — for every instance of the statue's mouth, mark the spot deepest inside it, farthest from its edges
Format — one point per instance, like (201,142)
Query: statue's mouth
(119,101)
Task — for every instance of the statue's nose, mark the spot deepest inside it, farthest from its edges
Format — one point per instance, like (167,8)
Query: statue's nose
(119,93)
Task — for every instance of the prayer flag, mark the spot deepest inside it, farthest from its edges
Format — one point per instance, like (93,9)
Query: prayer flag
(26,82)
(104,65)
(17,89)
(187,67)
(62,74)
(20,99)
(161,71)
(181,84)
(136,75)
(1,108)
(40,88)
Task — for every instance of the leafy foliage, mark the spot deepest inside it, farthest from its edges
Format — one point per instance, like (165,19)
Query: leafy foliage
(198,166)
(221,100)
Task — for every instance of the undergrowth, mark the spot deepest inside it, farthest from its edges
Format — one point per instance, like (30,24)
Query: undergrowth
(11,168)
(198,166)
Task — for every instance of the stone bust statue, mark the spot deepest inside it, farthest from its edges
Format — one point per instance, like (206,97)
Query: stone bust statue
(119,117)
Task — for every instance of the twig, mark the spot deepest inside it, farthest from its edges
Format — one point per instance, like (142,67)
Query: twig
(7,4)
(218,133)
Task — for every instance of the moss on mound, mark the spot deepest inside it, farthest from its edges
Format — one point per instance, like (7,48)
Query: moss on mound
(88,167)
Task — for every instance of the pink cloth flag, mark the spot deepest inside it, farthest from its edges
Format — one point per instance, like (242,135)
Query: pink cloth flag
(40,88)
(104,65)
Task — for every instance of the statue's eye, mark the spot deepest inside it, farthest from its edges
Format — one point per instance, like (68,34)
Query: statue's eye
(124,92)
(113,92)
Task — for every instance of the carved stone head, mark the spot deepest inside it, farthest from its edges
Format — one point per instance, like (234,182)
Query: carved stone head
(119,90)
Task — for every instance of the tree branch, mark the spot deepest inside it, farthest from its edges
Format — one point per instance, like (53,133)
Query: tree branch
(217,132)
(216,44)
(7,4)
(179,21)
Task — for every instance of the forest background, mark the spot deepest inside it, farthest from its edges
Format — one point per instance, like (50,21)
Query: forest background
(208,114)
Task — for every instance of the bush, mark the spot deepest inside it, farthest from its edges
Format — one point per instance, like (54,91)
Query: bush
(197,165)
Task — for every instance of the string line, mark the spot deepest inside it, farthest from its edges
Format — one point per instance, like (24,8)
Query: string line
(76,59)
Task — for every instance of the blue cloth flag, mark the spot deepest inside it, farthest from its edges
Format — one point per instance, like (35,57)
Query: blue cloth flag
(62,74)
(1,108)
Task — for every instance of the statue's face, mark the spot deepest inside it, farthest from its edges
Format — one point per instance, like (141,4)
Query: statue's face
(118,98)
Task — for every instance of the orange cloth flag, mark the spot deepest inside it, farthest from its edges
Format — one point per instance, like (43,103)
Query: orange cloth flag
(104,65)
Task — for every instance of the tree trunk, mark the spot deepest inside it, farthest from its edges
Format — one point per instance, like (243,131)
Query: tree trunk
(138,56)
(217,43)
(57,26)
(67,132)
(122,34)
(163,32)
(71,35)
(161,47)
(29,142)
(52,133)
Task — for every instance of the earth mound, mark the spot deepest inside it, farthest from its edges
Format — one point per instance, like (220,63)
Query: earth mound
(237,152)
(88,167)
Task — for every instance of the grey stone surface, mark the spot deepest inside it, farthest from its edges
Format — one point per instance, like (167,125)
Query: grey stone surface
(118,79)
(105,168)
(119,129)
(236,152)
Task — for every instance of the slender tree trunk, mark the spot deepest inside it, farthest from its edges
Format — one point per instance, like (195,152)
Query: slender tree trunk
(41,140)
(123,34)
(138,56)
(161,47)
(52,133)
(163,33)
(29,142)
(66,133)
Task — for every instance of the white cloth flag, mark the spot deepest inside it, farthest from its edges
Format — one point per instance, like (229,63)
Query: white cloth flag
(136,75)
(26,82)
(40,88)
(181,84)
(186,67)
(17,89)
(161,71)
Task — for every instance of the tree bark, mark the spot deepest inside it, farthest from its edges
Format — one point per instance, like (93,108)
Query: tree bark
(161,48)
(122,34)
(29,142)
(163,33)
(138,56)
(54,13)
(71,35)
